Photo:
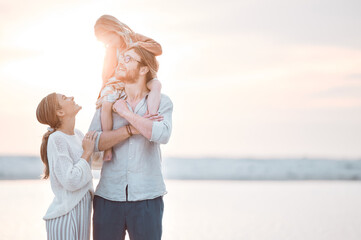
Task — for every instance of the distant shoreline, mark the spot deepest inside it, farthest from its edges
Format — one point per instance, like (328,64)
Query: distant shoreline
(31,167)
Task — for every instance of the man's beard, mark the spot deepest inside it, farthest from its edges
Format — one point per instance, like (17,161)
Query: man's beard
(130,76)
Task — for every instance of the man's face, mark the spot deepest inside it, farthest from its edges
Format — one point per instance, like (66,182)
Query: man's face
(128,67)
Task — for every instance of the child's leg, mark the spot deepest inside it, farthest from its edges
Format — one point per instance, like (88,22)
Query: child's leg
(107,125)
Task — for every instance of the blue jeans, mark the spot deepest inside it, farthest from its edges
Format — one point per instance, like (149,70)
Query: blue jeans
(142,219)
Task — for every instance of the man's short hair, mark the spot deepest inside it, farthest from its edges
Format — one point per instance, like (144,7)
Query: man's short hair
(147,59)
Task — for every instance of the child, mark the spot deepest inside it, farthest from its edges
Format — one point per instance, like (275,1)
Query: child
(117,37)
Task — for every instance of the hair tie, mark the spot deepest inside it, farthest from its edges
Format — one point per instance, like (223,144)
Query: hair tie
(50,129)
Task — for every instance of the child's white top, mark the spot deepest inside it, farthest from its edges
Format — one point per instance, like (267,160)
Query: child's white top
(70,176)
(112,91)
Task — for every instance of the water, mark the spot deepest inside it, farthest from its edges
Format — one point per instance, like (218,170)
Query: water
(27,167)
(216,210)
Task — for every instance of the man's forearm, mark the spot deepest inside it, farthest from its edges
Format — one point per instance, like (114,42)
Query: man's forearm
(143,125)
(110,138)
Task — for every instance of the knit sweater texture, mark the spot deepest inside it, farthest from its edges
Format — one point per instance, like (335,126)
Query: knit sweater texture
(70,175)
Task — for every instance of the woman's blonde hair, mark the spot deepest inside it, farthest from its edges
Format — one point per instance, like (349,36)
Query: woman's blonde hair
(46,114)
(108,23)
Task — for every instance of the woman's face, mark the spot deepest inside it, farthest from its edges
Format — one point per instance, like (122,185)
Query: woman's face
(68,107)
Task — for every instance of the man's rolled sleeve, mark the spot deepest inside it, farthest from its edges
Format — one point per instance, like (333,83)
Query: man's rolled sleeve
(95,125)
(96,145)
(161,131)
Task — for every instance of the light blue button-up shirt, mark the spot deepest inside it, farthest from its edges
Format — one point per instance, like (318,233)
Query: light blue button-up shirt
(136,161)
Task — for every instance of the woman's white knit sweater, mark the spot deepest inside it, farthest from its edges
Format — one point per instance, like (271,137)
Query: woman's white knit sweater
(70,175)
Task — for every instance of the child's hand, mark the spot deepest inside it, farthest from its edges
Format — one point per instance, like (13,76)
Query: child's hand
(153,117)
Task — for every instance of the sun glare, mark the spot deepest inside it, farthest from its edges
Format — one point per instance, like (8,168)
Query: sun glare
(53,49)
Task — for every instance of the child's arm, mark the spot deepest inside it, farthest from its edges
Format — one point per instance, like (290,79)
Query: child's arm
(106,117)
(110,63)
(153,101)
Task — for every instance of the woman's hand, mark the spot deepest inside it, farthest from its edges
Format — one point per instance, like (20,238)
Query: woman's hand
(88,144)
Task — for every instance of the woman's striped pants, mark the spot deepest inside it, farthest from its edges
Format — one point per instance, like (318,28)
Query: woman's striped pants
(75,225)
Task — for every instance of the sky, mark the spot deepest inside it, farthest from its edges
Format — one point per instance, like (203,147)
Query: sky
(262,79)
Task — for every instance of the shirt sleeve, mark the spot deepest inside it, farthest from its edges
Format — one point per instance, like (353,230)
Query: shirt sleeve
(95,125)
(71,176)
(162,130)
(148,44)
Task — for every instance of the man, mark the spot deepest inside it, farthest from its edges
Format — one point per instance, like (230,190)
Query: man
(130,192)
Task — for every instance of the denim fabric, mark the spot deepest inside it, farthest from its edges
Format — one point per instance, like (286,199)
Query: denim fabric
(141,219)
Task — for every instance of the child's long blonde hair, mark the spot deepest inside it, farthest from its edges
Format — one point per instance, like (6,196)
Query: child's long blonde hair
(108,23)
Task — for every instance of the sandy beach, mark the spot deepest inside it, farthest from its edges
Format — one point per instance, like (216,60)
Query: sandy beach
(216,210)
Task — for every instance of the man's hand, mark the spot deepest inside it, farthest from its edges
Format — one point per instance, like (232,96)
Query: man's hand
(121,108)
(134,130)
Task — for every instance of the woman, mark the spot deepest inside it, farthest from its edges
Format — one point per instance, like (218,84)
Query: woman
(66,153)
(117,37)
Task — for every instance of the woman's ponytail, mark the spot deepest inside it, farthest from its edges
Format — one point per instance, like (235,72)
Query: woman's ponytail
(46,114)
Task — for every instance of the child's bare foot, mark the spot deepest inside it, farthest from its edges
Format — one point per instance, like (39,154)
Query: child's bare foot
(107,155)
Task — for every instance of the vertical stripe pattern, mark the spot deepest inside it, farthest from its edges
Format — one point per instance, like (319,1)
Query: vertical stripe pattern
(75,225)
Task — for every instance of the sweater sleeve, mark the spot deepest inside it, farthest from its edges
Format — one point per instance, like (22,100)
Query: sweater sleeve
(148,44)
(71,176)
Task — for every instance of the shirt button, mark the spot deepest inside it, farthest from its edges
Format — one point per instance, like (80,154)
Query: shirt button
(128,171)
(131,143)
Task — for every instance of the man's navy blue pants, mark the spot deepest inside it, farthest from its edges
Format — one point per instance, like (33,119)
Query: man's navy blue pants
(142,219)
